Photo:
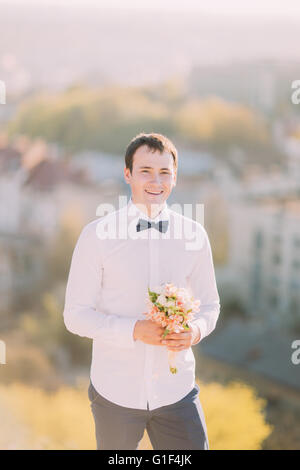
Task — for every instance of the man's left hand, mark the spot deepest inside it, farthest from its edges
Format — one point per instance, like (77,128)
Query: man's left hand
(182,340)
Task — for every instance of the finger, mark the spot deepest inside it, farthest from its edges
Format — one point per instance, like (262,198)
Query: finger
(177,345)
(176,348)
(176,341)
(182,335)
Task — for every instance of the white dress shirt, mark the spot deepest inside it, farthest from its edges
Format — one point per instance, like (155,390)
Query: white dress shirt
(111,268)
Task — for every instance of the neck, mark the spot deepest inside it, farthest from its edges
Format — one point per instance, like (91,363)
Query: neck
(151,210)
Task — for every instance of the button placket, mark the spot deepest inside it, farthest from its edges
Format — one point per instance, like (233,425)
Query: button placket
(154,236)
(148,346)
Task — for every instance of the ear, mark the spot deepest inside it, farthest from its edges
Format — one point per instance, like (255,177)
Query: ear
(127,175)
(175,178)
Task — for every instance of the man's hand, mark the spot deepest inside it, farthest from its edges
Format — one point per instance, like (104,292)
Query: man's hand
(182,340)
(148,331)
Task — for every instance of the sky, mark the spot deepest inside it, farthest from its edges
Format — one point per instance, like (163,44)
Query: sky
(245,8)
(200,32)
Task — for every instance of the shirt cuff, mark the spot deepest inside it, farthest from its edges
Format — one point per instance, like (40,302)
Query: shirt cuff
(201,325)
(124,332)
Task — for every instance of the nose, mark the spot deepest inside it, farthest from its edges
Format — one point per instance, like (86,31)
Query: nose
(155,179)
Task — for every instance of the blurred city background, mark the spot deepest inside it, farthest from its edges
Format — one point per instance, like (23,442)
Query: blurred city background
(81,81)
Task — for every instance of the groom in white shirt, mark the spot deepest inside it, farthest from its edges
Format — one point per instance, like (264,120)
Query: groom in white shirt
(116,258)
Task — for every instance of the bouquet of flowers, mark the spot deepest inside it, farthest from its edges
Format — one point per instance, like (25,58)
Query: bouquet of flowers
(172,307)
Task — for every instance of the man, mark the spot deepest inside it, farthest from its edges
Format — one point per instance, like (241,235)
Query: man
(116,259)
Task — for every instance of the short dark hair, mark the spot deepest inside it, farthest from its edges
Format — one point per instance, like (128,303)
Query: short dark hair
(153,141)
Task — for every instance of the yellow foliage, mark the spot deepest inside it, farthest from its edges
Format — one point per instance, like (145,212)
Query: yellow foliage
(213,118)
(234,416)
(36,419)
(54,420)
(106,119)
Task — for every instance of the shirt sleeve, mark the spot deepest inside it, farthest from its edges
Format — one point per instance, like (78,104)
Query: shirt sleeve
(203,286)
(83,288)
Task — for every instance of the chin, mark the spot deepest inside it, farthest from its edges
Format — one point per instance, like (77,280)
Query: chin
(155,200)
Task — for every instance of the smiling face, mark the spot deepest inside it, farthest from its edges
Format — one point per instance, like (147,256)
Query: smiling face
(152,180)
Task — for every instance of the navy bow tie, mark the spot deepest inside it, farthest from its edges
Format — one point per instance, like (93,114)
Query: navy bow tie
(161,225)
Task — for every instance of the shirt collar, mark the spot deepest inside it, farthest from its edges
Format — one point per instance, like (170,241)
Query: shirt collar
(135,211)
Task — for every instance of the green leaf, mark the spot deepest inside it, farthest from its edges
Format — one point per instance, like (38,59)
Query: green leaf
(166,332)
(152,295)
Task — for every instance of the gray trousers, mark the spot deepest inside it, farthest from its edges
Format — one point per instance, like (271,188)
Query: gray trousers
(179,426)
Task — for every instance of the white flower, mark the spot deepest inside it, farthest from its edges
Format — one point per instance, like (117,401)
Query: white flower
(188,305)
(161,300)
(170,289)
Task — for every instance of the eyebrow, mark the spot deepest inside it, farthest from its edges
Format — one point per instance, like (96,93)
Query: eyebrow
(150,168)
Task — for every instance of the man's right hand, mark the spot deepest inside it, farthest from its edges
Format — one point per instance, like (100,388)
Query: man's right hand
(148,331)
